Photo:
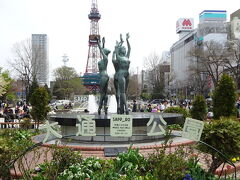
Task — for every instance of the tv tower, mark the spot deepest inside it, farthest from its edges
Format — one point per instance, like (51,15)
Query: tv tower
(65,59)
(91,78)
(93,51)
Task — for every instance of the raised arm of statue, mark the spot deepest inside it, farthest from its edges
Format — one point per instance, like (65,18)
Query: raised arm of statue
(117,50)
(101,48)
(121,40)
(103,42)
(128,45)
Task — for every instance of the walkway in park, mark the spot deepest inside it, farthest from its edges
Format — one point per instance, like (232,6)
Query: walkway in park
(44,153)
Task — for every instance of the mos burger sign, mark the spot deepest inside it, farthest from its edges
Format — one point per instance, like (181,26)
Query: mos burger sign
(184,24)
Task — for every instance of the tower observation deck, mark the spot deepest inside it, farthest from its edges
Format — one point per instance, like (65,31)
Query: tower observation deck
(91,76)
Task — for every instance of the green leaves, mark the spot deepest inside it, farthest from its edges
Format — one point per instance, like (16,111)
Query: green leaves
(199,108)
(224,135)
(131,162)
(177,110)
(39,101)
(67,83)
(224,97)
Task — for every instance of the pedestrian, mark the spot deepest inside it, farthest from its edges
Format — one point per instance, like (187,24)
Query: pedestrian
(134,109)
(149,108)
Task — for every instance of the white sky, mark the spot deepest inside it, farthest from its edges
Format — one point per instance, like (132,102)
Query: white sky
(151,24)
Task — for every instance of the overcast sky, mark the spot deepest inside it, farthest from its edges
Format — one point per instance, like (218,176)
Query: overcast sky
(151,24)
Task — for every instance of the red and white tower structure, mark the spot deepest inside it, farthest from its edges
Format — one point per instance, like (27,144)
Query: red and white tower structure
(91,78)
(93,51)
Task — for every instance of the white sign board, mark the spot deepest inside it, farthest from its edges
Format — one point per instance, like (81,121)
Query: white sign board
(192,129)
(121,125)
(184,24)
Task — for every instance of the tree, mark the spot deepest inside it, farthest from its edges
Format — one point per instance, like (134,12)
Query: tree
(3,85)
(48,91)
(199,108)
(6,86)
(39,101)
(32,87)
(232,60)
(24,64)
(210,59)
(146,96)
(224,97)
(67,83)
(198,79)
(133,87)
(154,75)
(224,135)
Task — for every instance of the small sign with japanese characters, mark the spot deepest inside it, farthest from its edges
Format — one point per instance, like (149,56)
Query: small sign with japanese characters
(121,125)
(192,129)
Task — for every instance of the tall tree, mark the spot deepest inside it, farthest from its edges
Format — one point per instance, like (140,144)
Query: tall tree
(199,79)
(6,85)
(32,87)
(224,97)
(210,59)
(3,85)
(199,108)
(23,63)
(39,101)
(232,60)
(133,87)
(154,75)
(67,83)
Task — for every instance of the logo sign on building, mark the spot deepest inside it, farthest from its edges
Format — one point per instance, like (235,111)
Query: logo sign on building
(121,125)
(184,24)
(192,129)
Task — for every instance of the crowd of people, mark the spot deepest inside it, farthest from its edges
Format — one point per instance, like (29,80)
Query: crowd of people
(150,107)
(9,113)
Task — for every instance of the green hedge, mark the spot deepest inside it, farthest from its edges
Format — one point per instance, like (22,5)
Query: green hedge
(179,110)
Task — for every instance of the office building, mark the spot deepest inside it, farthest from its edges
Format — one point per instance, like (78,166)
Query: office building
(212,27)
(40,62)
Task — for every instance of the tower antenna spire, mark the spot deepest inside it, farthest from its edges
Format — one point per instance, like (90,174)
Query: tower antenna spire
(90,78)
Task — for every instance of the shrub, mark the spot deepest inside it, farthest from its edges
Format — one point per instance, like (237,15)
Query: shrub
(25,123)
(224,97)
(168,166)
(224,135)
(131,163)
(199,108)
(179,110)
(197,172)
(87,169)
(62,158)
(12,144)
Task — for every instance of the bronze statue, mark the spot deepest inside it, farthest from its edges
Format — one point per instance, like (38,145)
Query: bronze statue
(116,67)
(104,78)
(121,78)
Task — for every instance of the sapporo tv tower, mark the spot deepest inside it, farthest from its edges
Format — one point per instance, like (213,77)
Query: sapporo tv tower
(91,76)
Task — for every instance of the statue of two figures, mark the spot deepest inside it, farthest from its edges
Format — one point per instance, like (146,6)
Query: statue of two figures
(121,63)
